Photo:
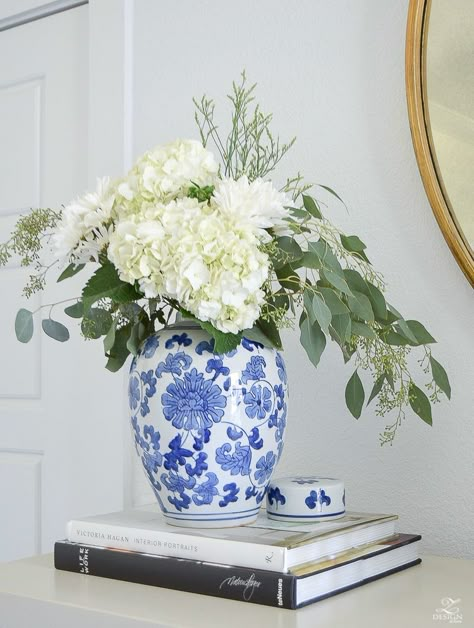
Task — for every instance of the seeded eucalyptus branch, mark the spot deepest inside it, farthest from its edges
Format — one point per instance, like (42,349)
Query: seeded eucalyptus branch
(26,242)
(327,277)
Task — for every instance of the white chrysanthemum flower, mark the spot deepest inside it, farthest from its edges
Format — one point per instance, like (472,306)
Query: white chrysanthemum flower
(256,205)
(165,173)
(188,251)
(84,229)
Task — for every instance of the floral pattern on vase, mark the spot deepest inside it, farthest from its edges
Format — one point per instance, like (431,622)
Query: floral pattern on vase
(208,428)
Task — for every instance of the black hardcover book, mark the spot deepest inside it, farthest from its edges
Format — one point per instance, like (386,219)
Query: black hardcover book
(305,585)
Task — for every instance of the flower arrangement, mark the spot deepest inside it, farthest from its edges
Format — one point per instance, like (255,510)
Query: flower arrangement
(217,241)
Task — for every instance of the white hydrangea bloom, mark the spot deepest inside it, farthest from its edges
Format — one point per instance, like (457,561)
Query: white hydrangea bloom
(205,255)
(84,229)
(256,205)
(190,252)
(167,172)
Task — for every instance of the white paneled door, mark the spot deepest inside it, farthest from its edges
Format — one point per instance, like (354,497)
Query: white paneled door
(62,425)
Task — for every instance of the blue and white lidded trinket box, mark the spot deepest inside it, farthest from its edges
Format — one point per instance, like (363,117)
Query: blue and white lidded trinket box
(305,499)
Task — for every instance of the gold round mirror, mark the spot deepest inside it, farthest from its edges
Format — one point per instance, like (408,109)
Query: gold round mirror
(439,67)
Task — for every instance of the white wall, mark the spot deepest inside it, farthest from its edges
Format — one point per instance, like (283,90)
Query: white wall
(333,74)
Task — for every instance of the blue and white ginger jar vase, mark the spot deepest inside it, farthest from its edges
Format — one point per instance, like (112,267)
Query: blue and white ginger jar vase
(208,428)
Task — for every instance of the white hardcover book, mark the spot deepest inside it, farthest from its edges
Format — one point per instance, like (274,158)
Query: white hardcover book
(265,544)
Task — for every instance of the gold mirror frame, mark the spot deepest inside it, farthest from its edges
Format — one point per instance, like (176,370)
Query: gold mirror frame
(415,78)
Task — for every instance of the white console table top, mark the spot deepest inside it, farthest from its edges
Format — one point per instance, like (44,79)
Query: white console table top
(33,593)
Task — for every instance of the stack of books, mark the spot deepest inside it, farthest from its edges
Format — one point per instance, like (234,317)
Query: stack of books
(269,562)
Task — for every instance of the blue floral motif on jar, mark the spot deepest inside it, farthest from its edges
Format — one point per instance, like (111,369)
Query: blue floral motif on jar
(209,428)
(238,462)
(174,364)
(150,346)
(217,367)
(251,345)
(205,493)
(179,339)
(281,368)
(133,392)
(193,402)
(258,402)
(265,467)
(254,369)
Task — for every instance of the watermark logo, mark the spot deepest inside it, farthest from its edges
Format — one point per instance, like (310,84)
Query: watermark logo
(449,612)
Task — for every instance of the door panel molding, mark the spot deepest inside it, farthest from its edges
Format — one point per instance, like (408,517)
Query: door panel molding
(24,95)
(111,136)
(37,13)
(21,482)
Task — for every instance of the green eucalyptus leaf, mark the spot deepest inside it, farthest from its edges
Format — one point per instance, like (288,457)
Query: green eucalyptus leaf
(389,378)
(288,278)
(257,335)
(355,395)
(377,301)
(76,310)
(362,329)
(336,280)
(355,281)
(137,335)
(333,302)
(311,206)
(115,364)
(280,301)
(24,325)
(353,244)
(440,377)
(119,351)
(96,322)
(55,330)
(389,319)
(313,340)
(422,336)
(321,312)
(289,251)
(377,387)
(270,330)
(420,403)
(394,312)
(311,260)
(375,296)
(403,328)
(110,337)
(130,310)
(360,306)
(70,271)
(328,259)
(348,351)
(340,328)
(391,337)
(308,305)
